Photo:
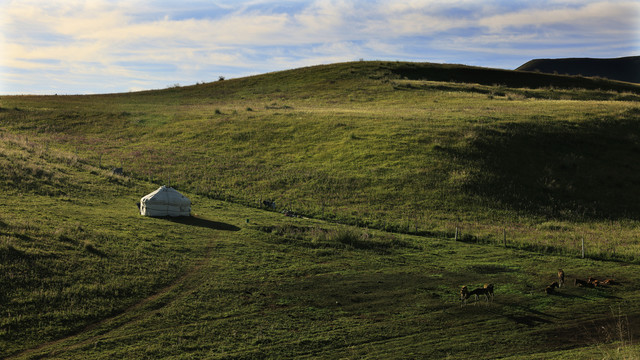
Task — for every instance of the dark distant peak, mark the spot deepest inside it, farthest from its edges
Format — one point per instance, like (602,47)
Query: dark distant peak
(621,69)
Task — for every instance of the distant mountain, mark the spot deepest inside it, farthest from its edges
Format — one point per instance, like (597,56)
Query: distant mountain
(621,69)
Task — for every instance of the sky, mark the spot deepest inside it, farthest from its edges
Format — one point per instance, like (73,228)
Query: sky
(107,46)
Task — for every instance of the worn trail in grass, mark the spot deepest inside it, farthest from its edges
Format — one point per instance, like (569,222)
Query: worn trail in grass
(133,314)
(274,290)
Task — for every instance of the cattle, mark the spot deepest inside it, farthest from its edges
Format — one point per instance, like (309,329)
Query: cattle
(489,288)
(609,282)
(479,292)
(582,283)
(560,278)
(464,294)
(551,288)
(487,291)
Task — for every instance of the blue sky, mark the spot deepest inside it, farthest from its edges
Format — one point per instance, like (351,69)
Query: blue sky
(104,46)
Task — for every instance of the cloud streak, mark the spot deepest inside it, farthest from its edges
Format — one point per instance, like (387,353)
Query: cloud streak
(151,44)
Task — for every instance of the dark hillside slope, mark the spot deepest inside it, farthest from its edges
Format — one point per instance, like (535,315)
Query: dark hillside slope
(621,69)
(510,78)
(560,168)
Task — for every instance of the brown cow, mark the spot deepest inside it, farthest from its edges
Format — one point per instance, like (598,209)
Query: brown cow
(609,282)
(582,283)
(464,294)
(489,288)
(487,291)
(479,292)
(560,278)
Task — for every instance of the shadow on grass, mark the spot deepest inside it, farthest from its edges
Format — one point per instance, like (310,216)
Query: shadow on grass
(607,296)
(528,320)
(561,169)
(598,293)
(470,74)
(523,315)
(567,296)
(95,251)
(200,222)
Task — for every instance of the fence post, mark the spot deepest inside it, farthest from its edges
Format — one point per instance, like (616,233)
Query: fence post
(504,237)
(583,246)
(456,236)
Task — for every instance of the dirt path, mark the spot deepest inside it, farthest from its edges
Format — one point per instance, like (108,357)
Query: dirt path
(127,316)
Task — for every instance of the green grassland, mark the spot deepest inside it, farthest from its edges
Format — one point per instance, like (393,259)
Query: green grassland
(382,160)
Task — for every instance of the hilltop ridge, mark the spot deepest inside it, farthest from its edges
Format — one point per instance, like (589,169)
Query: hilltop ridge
(625,69)
(325,78)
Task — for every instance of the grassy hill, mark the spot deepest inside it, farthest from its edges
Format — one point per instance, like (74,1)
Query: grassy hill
(384,161)
(622,69)
(382,145)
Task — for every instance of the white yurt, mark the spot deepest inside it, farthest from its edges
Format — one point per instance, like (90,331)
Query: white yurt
(166,201)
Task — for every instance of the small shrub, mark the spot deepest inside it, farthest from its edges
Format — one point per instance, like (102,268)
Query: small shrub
(9,252)
(554,226)
(93,250)
(347,236)
(61,235)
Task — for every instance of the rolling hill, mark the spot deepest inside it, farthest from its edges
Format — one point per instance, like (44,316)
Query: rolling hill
(622,69)
(375,168)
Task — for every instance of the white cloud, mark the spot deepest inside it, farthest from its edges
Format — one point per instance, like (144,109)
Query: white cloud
(147,40)
(592,17)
